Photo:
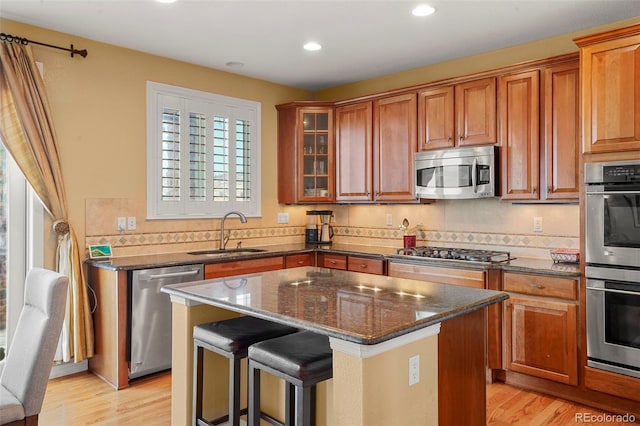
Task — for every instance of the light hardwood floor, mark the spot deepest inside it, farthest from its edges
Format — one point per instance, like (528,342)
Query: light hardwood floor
(84,399)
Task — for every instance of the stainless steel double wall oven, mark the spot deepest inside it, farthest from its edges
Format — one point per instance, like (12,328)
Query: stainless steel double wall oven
(612,221)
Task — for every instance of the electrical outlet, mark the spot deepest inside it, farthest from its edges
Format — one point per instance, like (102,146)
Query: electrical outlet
(131,223)
(537,224)
(389,219)
(122,223)
(414,370)
(283,217)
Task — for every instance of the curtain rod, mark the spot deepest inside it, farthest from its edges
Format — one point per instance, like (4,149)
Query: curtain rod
(21,40)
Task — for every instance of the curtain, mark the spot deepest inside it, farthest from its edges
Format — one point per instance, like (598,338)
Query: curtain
(26,128)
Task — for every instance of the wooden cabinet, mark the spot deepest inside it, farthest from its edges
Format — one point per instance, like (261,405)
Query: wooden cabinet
(539,133)
(460,115)
(394,145)
(610,90)
(519,137)
(364,264)
(239,267)
(354,151)
(306,158)
(332,260)
(438,274)
(297,260)
(375,144)
(560,132)
(541,326)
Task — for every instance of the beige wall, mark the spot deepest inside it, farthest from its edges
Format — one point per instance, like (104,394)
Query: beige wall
(541,49)
(98,105)
(99,111)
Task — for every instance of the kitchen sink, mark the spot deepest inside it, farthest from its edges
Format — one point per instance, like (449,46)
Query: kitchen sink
(218,252)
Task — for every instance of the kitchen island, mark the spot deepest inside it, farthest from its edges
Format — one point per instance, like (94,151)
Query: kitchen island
(375,325)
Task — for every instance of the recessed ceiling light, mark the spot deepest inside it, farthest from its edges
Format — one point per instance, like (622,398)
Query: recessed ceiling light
(312,45)
(423,10)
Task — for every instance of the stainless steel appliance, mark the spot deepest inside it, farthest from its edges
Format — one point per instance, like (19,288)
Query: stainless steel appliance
(613,213)
(613,319)
(319,229)
(612,238)
(450,254)
(149,334)
(457,173)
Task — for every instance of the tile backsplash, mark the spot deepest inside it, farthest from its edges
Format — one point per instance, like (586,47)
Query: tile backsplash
(484,224)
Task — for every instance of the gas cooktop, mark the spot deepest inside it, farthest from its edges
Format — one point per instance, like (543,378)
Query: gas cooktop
(456,254)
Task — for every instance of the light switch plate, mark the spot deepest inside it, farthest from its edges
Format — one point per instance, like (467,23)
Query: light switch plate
(122,223)
(537,224)
(414,370)
(283,217)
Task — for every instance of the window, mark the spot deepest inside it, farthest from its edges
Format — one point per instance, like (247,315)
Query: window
(21,242)
(203,154)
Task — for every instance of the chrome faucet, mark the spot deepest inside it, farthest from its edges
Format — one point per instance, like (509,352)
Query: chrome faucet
(224,239)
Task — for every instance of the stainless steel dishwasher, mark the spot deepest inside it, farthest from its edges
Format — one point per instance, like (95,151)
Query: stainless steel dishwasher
(149,328)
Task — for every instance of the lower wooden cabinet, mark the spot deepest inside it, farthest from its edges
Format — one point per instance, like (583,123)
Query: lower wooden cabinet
(226,269)
(438,274)
(333,261)
(352,263)
(296,260)
(541,326)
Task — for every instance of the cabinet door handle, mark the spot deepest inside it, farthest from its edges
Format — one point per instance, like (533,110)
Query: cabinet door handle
(534,190)
(549,190)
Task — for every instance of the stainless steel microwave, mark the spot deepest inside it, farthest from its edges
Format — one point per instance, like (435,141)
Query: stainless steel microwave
(457,173)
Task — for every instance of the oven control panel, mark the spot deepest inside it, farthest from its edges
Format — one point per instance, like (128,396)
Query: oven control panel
(621,173)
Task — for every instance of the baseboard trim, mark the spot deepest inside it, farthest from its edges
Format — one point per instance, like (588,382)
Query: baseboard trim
(68,368)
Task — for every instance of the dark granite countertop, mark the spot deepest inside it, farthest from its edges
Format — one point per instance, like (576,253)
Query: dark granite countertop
(527,265)
(175,259)
(322,300)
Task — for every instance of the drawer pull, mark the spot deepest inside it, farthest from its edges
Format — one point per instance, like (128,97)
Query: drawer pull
(300,262)
(363,266)
(537,286)
(333,262)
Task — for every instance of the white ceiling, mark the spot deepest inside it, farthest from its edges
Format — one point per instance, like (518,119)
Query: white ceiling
(361,38)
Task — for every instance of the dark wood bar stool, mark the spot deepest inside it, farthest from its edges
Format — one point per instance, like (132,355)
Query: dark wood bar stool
(230,338)
(302,359)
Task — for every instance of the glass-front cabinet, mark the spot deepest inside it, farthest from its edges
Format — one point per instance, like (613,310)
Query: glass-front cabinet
(306,159)
(315,154)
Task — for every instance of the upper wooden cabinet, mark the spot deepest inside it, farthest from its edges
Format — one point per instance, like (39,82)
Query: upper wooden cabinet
(394,145)
(610,75)
(375,144)
(354,152)
(539,133)
(306,157)
(460,115)
(560,143)
(519,138)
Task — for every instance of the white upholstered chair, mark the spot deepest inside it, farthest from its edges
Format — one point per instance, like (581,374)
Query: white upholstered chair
(25,371)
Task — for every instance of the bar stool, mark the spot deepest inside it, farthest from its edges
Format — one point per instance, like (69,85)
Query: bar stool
(230,338)
(302,359)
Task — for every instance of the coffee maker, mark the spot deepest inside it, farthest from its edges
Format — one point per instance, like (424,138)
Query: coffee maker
(319,229)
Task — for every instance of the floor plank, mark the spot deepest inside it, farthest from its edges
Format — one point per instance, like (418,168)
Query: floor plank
(84,399)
